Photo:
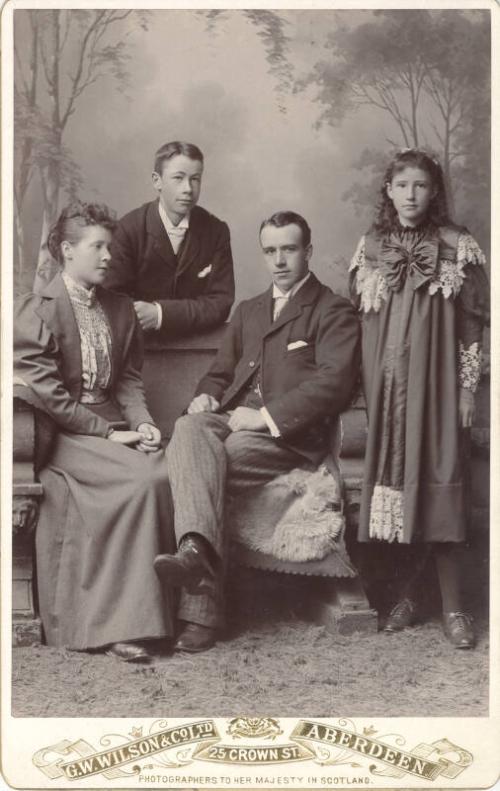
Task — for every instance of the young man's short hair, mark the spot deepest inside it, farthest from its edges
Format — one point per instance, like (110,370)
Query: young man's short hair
(169,150)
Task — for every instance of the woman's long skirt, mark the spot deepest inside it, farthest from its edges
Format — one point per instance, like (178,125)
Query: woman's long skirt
(105,515)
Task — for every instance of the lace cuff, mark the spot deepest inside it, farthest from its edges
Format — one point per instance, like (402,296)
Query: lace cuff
(469,366)
(386,513)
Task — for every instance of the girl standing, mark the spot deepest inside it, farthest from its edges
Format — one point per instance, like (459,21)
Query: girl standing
(420,284)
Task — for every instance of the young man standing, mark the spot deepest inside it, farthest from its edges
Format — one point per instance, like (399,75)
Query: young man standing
(171,256)
(286,368)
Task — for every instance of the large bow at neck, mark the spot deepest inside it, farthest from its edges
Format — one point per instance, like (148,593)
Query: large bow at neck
(403,256)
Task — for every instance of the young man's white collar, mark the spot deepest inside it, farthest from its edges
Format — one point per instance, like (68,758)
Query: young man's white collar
(167,222)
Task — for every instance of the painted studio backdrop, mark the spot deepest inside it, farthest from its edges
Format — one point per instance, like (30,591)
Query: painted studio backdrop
(298,110)
(292,109)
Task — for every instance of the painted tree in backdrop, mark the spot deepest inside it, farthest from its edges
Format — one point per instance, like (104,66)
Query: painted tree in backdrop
(428,74)
(271,29)
(59,54)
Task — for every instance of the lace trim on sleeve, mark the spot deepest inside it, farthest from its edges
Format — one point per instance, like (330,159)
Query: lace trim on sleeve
(370,285)
(358,259)
(468,251)
(450,274)
(469,366)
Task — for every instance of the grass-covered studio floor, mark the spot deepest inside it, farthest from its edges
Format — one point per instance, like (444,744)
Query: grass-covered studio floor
(275,662)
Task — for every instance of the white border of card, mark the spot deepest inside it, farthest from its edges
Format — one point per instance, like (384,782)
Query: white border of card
(418,753)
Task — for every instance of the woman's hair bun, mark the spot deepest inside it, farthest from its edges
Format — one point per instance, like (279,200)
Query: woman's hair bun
(75,216)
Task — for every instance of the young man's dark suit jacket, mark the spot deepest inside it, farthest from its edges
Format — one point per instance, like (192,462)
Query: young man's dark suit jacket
(47,358)
(194,288)
(303,387)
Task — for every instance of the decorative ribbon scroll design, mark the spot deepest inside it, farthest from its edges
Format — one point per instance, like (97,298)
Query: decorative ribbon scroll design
(317,742)
(429,761)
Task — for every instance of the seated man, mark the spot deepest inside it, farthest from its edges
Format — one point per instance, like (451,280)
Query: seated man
(171,256)
(286,367)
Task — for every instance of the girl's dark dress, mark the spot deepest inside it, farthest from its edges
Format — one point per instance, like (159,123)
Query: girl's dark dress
(423,296)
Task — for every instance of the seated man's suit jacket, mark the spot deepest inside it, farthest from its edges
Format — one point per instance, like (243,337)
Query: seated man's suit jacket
(302,387)
(195,287)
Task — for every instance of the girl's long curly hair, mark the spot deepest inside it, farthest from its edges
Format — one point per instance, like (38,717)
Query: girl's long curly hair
(386,218)
(72,220)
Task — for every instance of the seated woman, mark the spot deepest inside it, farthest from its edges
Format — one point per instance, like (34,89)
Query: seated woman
(105,511)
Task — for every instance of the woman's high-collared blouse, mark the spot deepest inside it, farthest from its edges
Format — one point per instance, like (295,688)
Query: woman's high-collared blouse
(95,341)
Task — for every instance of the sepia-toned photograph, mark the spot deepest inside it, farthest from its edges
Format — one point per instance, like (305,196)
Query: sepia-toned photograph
(247,289)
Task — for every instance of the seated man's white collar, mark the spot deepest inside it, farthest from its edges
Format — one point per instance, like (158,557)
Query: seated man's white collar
(278,293)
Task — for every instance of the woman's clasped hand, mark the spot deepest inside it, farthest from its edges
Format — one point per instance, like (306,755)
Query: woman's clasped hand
(147,438)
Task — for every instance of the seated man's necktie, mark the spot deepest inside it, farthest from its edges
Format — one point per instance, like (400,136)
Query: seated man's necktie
(278,305)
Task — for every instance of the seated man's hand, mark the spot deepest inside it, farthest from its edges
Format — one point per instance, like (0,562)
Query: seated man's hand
(150,438)
(245,419)
(203,403)
(147,314)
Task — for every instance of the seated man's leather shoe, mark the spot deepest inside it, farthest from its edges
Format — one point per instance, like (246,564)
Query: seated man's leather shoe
(403,614)
(189,568)
(129,652)
(195,638)
(457,627)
